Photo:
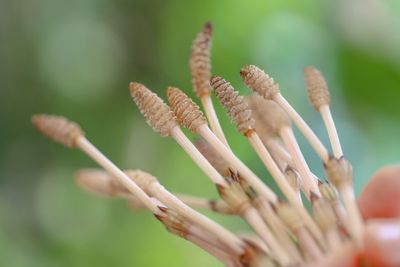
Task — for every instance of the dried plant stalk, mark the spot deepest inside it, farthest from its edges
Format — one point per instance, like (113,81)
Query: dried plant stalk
(200,69)
(68,133)
(320,98)
(264,85)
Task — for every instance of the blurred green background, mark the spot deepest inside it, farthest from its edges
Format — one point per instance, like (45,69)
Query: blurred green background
(76,58)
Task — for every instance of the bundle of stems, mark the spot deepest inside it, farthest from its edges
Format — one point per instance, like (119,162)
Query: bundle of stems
(284,232)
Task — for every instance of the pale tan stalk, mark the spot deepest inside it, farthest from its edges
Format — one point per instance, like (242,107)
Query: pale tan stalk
(70,134)
(319,96)
(272,168)
(330,193)
(196,230)
(284,185)
(355,222)
(277,150)
(265,86)
(292,219)
(325,217)
(275,223)
(237,199)
(212,118)
(160,117)
(308,182)
(275,121)
(340,174)
(294,180)
(217,206)
(333,239)
(213,157)
(303,127)
(151,186)
(253,218)
(196,156)
(110,167)
(309,246)
(241,115)
(200,68)
(100,182)
(189,114)
(219,254)
(236,163)
(254,239)
(327,117)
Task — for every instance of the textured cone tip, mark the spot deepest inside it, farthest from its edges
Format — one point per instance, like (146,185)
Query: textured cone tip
(208,27)
(98,181)
(270,117)
(317,88)
(143,179)
(158,115)
(200,61)
(260,82)
(58,128)
(237,108)
(186,111)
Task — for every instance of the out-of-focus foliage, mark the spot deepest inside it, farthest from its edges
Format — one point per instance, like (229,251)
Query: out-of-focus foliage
(76,58)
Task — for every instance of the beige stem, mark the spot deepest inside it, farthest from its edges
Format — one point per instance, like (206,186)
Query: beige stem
(283,184)
(252,217)
(222,234)
(218,206)
(219,254)
(331,129)
(211,115)
(274,222)
(355,222)
(333,239)
(110,167)
(308,244)
(236,163)
(308,181)
(197,157)
(303,127)
(277,149)
(271,166)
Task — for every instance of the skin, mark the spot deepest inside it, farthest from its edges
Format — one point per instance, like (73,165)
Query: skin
(380,206)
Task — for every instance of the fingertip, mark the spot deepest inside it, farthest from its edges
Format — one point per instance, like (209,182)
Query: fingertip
(382,243)
(380,198)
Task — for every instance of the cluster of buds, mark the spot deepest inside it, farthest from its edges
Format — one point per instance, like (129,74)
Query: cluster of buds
(284,233)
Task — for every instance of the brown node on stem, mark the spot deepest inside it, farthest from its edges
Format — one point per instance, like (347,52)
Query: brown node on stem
(293,178)
(173,222)
(158,115)
(289,216)
(254,256)
(270,117)
(324,214)
(238,109)
(58,128)
(260,82)
(234,195)
(200,65)
(317,88)
(187,112)
(143,179)
(339,171)
(213,157)
(100,182)
(328,191)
